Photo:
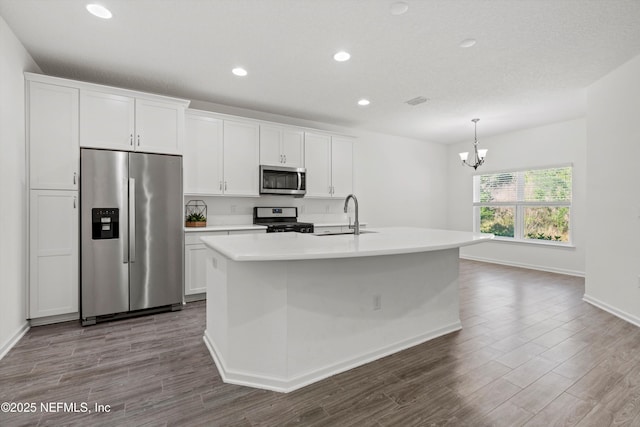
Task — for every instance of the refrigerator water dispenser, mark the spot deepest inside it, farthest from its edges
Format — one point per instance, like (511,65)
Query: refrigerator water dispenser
(104,223)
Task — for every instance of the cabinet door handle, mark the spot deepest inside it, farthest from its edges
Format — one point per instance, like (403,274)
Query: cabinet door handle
(225,186)
(285,158)
(131,139)
(220,186)
(138,140)
(74,202)
(75,174)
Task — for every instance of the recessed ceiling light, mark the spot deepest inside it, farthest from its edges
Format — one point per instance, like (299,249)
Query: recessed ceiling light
(239,71)
(99,11)
(467,42)
(342,56)
(399,7)
(364,102)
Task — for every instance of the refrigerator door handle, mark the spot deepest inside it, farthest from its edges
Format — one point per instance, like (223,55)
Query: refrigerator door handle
(125,234)
(132,220)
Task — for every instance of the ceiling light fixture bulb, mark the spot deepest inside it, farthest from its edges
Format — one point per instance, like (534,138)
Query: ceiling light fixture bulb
(398,8)
(364,102)
(342,56)
(99,11)
(239,71)
(467,43)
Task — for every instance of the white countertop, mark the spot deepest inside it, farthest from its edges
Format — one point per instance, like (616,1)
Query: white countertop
(224,228)
(376,241)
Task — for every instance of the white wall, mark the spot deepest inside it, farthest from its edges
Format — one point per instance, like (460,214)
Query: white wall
(550,145)
(613,156)
(403,181)
(398,181)
(14,59)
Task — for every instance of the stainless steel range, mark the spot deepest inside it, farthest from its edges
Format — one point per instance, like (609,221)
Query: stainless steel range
(279,220)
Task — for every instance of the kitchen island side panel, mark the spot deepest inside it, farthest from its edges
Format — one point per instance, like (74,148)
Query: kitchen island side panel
(345,311)
(281,325)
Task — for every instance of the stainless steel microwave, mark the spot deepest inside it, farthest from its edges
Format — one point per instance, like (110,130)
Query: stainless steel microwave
(283,180)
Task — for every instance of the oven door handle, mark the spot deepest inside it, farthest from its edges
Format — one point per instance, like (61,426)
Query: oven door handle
(299,181)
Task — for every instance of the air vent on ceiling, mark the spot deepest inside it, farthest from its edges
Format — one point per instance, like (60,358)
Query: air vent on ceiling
(417,100)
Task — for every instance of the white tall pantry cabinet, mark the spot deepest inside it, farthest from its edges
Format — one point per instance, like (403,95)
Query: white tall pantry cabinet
(54,164)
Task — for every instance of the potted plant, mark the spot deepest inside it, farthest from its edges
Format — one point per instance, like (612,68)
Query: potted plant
(195,214)
(196,220)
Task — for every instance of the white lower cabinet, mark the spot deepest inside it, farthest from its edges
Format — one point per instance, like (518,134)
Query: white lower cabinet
(195,279)
(195,253)
(53,253)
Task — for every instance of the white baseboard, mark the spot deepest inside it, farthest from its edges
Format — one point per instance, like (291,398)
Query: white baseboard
(286,385)
(8,345)
(634,320)
(525,265)
(195,297)
(48,320)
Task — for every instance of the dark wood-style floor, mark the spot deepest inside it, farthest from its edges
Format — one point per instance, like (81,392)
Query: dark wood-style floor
(530,353)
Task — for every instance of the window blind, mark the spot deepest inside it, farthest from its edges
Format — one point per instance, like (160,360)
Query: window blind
(537,186)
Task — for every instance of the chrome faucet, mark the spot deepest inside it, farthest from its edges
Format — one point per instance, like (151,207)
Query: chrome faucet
(356,224)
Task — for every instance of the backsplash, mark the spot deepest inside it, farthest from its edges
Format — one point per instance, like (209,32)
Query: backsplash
(239,210)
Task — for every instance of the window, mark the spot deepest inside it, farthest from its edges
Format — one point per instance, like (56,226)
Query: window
(529,205)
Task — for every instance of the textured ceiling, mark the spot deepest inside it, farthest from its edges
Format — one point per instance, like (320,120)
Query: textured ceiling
(531,64)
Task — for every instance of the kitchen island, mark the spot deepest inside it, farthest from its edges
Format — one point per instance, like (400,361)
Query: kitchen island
(285,310)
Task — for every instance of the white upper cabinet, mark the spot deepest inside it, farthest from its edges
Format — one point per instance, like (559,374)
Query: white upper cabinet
(329,164)
(281,146)
(317,160)
(220,156)
(120,122)
(203,154)
(107,120)
(54,153)
(241,158)
(341,166)
(159,126)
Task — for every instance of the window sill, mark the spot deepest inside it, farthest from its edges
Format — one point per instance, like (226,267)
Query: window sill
(534,243)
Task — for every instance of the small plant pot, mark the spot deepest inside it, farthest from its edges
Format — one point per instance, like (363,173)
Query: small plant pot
(195,223)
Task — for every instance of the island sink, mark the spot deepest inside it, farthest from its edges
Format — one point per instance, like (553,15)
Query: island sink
(345,232)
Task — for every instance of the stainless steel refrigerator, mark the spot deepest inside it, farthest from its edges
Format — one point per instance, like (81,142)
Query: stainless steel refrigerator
(131,233)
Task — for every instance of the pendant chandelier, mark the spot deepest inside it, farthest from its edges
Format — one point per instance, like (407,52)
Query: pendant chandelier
(479,155)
